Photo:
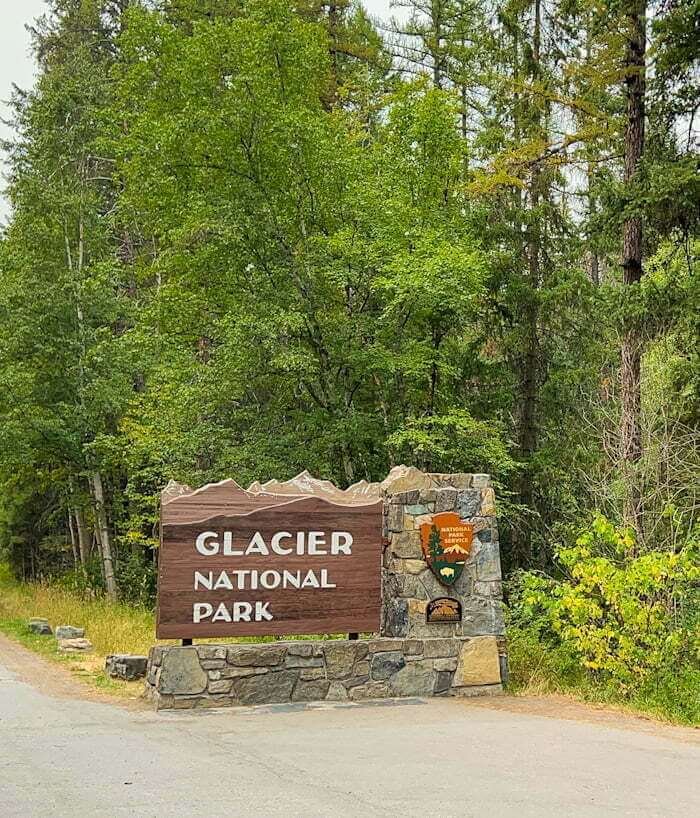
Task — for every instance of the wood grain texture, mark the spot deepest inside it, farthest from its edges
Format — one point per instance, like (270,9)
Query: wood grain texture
(353,605)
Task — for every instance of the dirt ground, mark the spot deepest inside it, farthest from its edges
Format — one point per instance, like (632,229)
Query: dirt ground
(58,681)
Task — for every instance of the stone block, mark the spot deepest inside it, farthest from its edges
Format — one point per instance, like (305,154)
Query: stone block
(440,648)
(211,652)
(39,626)
(370,690)
(394,518)
(181,673)
(416,608)
(183,703)
(74,645)
(461,480)
(385,665)
(479,663)
(443,682)
(446,500)
(488,563)
(211,701)
(300,649)
(410,586)
(395,617)
(341,657)
(416,509)
(126,666)
(433,588)
(310,691)
(212,664)
(409,566)
(469,503)
(407,545)
(155,655)
(479,617)
(449,664)
(503,661)
(309,674)
(337,692)
(489,589)
(238,672)
(488,502)
(69,632)
(266,688)
(415,679)
(413,647)
(355,681)
(477,690)
(405,498)
(479,523)
(420,629)
(481,481)
(267,655)
(220,686)
(303,661)
(406,478)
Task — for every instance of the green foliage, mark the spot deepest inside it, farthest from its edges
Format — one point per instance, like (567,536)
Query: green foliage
(454,442)
(243,245)
(617,619)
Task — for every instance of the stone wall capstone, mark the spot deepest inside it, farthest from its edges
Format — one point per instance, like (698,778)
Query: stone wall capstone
(409,657)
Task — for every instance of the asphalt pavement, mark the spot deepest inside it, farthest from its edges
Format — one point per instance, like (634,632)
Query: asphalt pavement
(63,755)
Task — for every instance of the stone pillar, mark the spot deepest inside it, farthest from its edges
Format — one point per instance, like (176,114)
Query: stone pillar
(408,582)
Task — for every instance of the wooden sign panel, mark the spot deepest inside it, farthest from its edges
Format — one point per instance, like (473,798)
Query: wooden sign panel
(238,563)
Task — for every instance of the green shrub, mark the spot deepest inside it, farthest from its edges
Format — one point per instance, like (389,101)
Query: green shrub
(623,621)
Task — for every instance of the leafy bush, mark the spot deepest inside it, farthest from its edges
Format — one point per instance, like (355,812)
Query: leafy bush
(616,618)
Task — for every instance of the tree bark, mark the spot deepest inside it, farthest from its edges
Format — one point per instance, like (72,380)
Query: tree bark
(631,351)
(105,541)
(530,361)
(83,542)
(73,545)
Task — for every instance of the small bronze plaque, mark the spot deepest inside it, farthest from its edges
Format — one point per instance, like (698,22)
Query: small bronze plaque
(444,609)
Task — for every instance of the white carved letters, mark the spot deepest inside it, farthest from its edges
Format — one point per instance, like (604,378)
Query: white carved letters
(280,544)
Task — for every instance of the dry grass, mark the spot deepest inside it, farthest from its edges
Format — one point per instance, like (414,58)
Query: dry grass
(112,628)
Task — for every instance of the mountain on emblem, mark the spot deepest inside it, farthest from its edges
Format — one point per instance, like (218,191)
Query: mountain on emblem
(446,542)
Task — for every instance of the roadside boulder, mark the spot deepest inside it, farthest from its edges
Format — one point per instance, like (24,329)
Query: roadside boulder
(74,645)
(126,666)
(40,626)
(69,632)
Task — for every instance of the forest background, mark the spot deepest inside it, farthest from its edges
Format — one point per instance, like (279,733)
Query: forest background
(252,237)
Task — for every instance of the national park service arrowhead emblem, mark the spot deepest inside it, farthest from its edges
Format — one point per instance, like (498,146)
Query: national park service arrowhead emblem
(446,542)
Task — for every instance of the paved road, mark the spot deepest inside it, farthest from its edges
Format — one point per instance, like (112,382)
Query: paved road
(65,756)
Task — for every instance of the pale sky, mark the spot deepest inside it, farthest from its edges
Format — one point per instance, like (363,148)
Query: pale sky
(16,65)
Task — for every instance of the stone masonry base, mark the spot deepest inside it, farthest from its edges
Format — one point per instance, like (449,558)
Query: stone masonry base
(324,670)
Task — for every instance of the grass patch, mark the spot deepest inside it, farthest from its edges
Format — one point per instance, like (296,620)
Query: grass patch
(537,670)
(111,627)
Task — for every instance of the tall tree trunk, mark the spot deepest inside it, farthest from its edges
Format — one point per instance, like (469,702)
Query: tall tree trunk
(631,352)
(105,540)
(530,363)
(83,541)
(73,545)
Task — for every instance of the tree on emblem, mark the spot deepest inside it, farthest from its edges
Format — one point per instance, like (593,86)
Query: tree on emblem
(434,543)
